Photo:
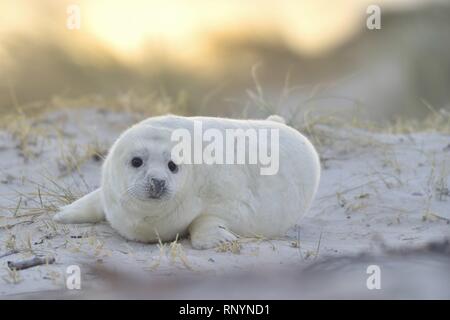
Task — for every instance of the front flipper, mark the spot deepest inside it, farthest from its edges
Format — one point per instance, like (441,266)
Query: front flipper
(209,232)
(87,209)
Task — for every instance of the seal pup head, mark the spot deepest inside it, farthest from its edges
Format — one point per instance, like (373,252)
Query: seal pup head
(139,172)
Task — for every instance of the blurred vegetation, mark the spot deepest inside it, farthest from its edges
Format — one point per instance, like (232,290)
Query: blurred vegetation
(396,72)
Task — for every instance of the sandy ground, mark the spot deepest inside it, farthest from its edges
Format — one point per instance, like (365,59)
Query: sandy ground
(377,191)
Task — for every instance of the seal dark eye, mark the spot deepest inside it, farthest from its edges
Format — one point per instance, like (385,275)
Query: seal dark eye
(136,162)
(172,167)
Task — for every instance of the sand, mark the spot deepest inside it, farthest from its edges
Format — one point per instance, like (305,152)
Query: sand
(377,191)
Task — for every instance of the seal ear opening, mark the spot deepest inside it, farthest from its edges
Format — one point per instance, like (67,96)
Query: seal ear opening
(87,209)
(276,118)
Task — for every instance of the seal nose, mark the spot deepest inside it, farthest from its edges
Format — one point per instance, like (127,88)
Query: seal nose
(158,186)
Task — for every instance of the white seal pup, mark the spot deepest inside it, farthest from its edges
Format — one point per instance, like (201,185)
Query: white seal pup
(147,195)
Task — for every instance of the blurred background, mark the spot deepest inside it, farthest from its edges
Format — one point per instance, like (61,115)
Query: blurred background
(226,57)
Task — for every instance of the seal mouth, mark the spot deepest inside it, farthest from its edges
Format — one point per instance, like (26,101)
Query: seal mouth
(147,194)
(156,195)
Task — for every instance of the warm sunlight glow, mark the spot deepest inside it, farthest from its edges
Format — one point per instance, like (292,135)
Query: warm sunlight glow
(186,30)
(309,26)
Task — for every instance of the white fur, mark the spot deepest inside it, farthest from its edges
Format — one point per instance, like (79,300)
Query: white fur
(213,203)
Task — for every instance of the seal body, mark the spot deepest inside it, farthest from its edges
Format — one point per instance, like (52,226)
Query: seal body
(212,202)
